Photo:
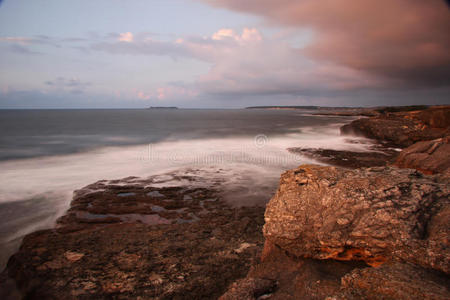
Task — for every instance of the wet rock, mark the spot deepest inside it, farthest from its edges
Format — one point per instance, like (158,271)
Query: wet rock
(429,157)
(113,246)
(373,215)
(403,129)
(348,159)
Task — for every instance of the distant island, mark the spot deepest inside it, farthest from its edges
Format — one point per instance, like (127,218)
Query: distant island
(162,107)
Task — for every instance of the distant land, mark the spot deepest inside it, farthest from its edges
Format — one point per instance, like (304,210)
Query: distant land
(282,107)
(163,107)
(348,111)
(380,108)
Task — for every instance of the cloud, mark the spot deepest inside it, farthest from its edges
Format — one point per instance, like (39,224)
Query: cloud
(168,92)
(126,37)
(28,45)
(140,47)
(248,34)
(16,39)
(20,45)
(244,63)
(18,99)
(72,85)
(202,48)
(19,49)
(403,40)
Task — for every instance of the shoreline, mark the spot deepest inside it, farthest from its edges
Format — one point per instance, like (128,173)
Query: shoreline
(199,246)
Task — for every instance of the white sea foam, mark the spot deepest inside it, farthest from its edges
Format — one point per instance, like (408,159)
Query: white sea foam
(59,175)
(249,167)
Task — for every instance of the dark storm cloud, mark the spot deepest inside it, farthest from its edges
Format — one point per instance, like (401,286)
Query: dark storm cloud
(402,40)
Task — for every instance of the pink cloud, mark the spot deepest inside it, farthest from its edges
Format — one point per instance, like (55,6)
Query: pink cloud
(126,37)
(399,39)
(16,39)
(143,96)
(223,34)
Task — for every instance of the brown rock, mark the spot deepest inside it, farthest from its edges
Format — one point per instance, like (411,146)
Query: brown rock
(249,289)
(348,159)
(288,277)
(429,157)
(304,278)
(125,239)
(394,281)
(73,256)
(403,129)
(374,215)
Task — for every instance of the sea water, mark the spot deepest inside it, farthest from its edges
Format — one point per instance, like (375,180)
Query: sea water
(46,154)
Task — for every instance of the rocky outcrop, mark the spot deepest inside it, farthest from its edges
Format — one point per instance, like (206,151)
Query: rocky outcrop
(429,157)
(375,233)
(374,215)
(349,159)
(402,129)
(154,238)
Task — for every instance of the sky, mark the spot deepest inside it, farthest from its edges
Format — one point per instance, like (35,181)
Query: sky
(223,53)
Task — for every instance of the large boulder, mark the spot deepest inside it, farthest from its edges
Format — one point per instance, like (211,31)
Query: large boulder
(374,215)
(429,157)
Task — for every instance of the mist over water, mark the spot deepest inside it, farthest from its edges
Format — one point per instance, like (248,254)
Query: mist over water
(45,155)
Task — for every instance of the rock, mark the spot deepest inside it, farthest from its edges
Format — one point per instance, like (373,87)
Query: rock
(429,157)
(376,233)
(113,243)
(73,256)
(306,278)
(242,247)
(394,281)
(288,277)
(348,159)
(249,289)
(373,215)
(368,112)
(403,129)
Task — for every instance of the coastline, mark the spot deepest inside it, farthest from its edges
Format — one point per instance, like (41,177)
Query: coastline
(215,244)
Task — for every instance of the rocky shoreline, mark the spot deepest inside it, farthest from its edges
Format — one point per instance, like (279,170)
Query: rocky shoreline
(339,232)
(362,233)
(153,238)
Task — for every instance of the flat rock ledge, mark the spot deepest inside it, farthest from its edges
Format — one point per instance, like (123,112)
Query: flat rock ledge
(164,237)
(370,233)
(379,156)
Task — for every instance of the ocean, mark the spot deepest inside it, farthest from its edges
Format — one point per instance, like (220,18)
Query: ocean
(46,154)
